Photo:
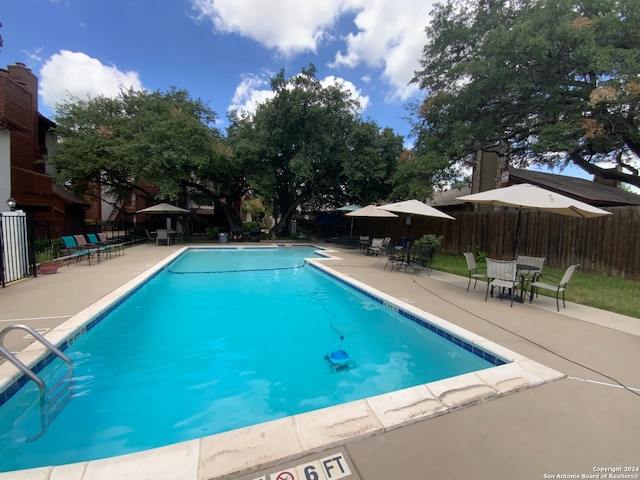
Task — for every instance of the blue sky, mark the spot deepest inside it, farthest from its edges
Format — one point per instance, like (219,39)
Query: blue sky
(222,51)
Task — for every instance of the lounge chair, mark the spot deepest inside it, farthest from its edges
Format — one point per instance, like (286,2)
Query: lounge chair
(472,266)
(92,247)
(501,274)
(100,245)
(117,243)
(558,287)
(73,250)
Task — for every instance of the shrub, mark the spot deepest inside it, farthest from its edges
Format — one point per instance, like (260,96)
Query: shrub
(430,241)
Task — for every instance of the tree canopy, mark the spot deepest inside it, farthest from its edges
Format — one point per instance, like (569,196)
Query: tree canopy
(308,146)
(552,82)
(160,145)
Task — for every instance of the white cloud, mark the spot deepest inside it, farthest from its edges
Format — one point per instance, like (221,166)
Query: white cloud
(251,92)
(354,93)
(288,26)
(389,34)
(75,74)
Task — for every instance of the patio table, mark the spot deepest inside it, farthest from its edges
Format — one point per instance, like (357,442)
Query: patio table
(526,273)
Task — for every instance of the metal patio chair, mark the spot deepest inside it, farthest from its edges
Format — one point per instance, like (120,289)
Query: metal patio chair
(558,287)
(501,274)
(473,269)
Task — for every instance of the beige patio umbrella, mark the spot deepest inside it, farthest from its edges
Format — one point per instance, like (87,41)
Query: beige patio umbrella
(525,196)
(371,211)
(415,207)
(164,209)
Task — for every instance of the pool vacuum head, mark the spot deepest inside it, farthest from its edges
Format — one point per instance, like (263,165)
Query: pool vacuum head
(339,357)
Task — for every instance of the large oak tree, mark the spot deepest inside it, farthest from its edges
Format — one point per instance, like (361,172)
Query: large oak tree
(163,145)
(550,81)
(308,147)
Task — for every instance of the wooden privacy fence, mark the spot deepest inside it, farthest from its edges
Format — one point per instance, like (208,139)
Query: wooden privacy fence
(607,245)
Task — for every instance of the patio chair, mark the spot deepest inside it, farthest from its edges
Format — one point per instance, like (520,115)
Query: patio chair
(536,262)
(395,257)
(364,243)
(73,250)
(92,247)
(377,246)
(151,236)
(100,245)
(117,243)
(558,287)
(162,236)
(473,269)
(501,274)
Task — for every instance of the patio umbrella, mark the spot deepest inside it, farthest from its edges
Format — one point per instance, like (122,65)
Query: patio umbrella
(349,208)
(371,211)
(164,209)
(525,196)
(415,207)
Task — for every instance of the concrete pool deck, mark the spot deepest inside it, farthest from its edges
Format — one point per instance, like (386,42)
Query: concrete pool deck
(580,422)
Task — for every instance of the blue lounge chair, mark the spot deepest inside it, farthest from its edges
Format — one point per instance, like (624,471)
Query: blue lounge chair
(73,250)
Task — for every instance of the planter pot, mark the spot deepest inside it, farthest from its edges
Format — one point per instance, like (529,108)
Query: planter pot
(49,268)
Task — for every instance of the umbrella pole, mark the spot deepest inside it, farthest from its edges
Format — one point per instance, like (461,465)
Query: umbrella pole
(515,239)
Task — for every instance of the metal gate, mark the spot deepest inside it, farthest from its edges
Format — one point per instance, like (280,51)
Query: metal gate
(14,247)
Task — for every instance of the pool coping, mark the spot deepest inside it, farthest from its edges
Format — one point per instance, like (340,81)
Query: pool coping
(263,445)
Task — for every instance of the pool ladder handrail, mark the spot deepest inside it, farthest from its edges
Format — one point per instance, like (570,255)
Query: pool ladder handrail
(46,417)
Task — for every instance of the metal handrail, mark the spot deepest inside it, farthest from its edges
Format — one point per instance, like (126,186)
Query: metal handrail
(23,368)
(37,336)
(45,418)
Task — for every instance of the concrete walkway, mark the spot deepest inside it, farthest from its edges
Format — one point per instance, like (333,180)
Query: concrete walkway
(573,426)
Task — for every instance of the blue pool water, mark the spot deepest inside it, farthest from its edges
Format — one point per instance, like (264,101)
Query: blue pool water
(220,340)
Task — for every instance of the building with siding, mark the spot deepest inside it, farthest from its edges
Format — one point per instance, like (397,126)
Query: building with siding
(26,142)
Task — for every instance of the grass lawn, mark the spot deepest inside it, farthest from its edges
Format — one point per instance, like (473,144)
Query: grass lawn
(607,293)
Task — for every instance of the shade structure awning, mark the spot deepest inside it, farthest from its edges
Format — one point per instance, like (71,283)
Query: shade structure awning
(163,209)
(415,207)
(531,197)
(371,211)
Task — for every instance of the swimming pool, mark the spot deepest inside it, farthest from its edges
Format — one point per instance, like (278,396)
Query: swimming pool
(287,343)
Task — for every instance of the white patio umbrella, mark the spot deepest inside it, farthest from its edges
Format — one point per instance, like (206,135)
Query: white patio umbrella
(163,209)
(371,211)
(525,196)
(415,207)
